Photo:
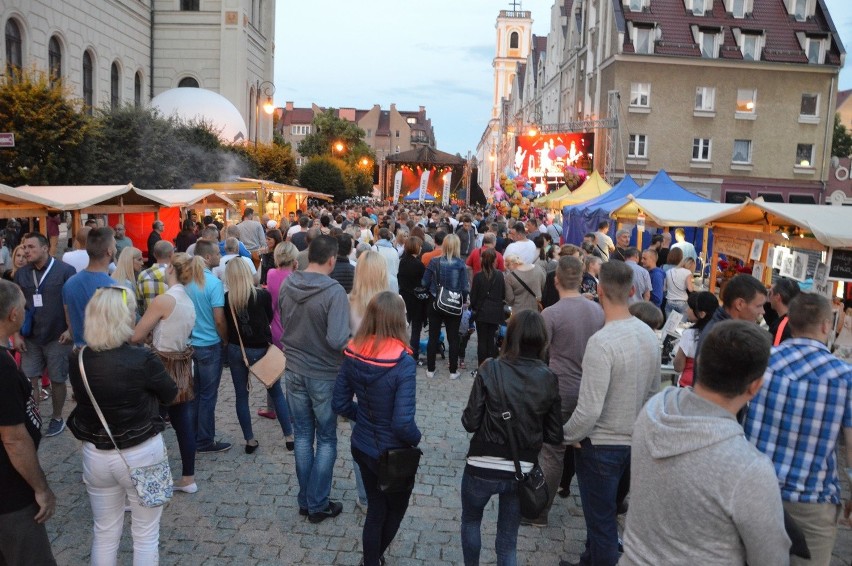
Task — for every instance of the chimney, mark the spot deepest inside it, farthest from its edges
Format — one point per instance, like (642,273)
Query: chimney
(422,109)
(393,107)
(289,105)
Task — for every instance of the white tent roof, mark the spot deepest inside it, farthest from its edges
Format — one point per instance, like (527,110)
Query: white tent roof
(187,197)
(79,197)
(831,225)
(675,213)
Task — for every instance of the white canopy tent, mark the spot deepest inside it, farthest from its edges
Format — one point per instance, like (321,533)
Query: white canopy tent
(94,199)
(187,197)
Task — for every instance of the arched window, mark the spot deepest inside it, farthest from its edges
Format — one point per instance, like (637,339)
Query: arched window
(114,85)
(14,48)
(188,82)
(513,40)
(54,60)
(88,82)
(137,89)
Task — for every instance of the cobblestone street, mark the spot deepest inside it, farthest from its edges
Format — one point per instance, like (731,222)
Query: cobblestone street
(245,511)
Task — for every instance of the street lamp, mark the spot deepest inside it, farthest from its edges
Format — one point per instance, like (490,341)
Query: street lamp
(268,89)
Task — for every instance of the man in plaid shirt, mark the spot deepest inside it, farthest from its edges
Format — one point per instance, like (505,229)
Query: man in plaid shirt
(152,281)
(796,419)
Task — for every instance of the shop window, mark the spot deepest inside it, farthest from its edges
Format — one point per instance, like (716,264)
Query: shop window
(734,197)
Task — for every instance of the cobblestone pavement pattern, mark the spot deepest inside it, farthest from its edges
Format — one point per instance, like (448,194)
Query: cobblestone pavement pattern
(245,511)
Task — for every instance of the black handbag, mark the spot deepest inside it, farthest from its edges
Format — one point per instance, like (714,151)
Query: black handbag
(397,468)
(533,493)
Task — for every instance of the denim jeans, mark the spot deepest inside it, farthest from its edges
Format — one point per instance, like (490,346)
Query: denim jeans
(182,416)
(679,306)
(475,493)
(599,470)
(208,374)
(240,377)
(109,487)
(310,404)
(385,511)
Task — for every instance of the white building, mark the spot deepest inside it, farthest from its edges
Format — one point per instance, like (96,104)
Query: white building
(113,52)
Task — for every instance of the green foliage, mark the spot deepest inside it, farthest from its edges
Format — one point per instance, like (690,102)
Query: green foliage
(270,162)
(51,134)
(326,175)
(358,181)
(841,143)
(329,130)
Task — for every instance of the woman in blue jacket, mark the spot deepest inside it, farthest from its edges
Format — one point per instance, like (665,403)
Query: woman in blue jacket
(379,370)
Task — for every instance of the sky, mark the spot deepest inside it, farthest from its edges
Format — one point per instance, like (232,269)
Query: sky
(436,54)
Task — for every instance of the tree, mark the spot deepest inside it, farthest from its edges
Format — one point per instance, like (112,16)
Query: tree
(272,162)
(52,135)
(326,175)
(841,143)
(328,132)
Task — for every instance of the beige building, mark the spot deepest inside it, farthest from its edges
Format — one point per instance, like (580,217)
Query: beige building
(387,132)
(112,52)
(731,102)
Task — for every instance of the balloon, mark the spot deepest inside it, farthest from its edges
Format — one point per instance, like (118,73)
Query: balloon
(560,151)
(552,154)
(511,174)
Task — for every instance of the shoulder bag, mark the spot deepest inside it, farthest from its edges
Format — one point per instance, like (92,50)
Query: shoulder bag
(268,369)
(153,483)
(447,302)
(525,286)
(532,487)
(397,466)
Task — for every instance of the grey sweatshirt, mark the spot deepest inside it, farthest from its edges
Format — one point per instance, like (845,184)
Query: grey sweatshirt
(700,493)
(315,317)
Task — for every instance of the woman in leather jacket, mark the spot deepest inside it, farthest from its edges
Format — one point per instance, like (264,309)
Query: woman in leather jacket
(128,383)
(486,302)
(532,395)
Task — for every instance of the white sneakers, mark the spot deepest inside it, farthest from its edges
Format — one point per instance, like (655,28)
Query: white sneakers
(430,374)
(455,375)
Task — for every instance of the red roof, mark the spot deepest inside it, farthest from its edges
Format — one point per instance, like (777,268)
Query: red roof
(296,116)
(769,17)
(841,97)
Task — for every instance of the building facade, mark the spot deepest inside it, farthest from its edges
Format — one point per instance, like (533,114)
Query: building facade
(114,52)
(733,98)
(387,132)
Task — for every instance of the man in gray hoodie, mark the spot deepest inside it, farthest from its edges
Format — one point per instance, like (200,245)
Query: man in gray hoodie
(315,317)
(700,492)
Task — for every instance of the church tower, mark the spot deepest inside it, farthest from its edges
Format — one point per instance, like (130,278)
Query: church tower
(514,37)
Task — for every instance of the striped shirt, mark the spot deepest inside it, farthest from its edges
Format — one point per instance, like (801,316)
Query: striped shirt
(798,415)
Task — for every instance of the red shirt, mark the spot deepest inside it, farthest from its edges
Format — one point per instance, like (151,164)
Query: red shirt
(474,262)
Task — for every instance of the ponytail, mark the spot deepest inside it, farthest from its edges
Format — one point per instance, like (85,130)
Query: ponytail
(188,269)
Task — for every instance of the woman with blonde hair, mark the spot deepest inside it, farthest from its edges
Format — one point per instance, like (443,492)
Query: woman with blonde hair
(128,267)
(128,383)
(447,271)
(379,370)
(371,278)
(169,319)
(248,313)
(284,254)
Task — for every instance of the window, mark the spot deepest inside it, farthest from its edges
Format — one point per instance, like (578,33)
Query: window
(698,7)
(638,146)
(636,5)
(14,48)
(643,40)
(742,151)
(708,40)
(771,197)
(705,98)
(701,149)
(369,133)
(54,60)
(750,47)
(397,133)
(137,90)
(411,120)
(640,94)
(815,50)
(810,104)
(805,155)
(190,5)
(738,8)
(114,99)
(300,161)
(88,82)
(802,199)
(300,129)
(514,40)
(188,82)
(734,197)
(800,10)
(745,100)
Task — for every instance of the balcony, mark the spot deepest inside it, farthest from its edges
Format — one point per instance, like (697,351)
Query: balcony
(520,14)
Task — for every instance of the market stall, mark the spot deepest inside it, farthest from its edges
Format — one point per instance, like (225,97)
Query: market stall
(593,187)
(278,199)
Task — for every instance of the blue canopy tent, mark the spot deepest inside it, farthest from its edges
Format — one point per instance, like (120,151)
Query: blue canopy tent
(580,219)
(415,195)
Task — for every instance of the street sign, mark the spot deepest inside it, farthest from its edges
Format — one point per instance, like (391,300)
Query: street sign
(7,140)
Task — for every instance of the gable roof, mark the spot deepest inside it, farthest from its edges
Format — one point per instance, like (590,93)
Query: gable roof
(841,97)
(769,17)
(427,155)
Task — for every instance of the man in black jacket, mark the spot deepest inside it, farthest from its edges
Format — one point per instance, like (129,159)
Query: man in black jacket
(343,272)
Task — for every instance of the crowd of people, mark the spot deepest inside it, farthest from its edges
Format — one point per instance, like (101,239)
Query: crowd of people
(737,464)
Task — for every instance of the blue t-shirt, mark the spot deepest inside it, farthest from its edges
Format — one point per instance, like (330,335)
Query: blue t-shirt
(205,300)
(76,295)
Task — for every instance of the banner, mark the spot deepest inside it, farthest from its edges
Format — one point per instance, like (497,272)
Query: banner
(445,199)
(397,186)
(424,184)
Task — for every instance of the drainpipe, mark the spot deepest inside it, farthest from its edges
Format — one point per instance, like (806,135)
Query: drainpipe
(151,56)
(829,132)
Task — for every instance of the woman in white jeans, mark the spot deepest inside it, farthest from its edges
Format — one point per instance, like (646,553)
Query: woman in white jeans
(128,384)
